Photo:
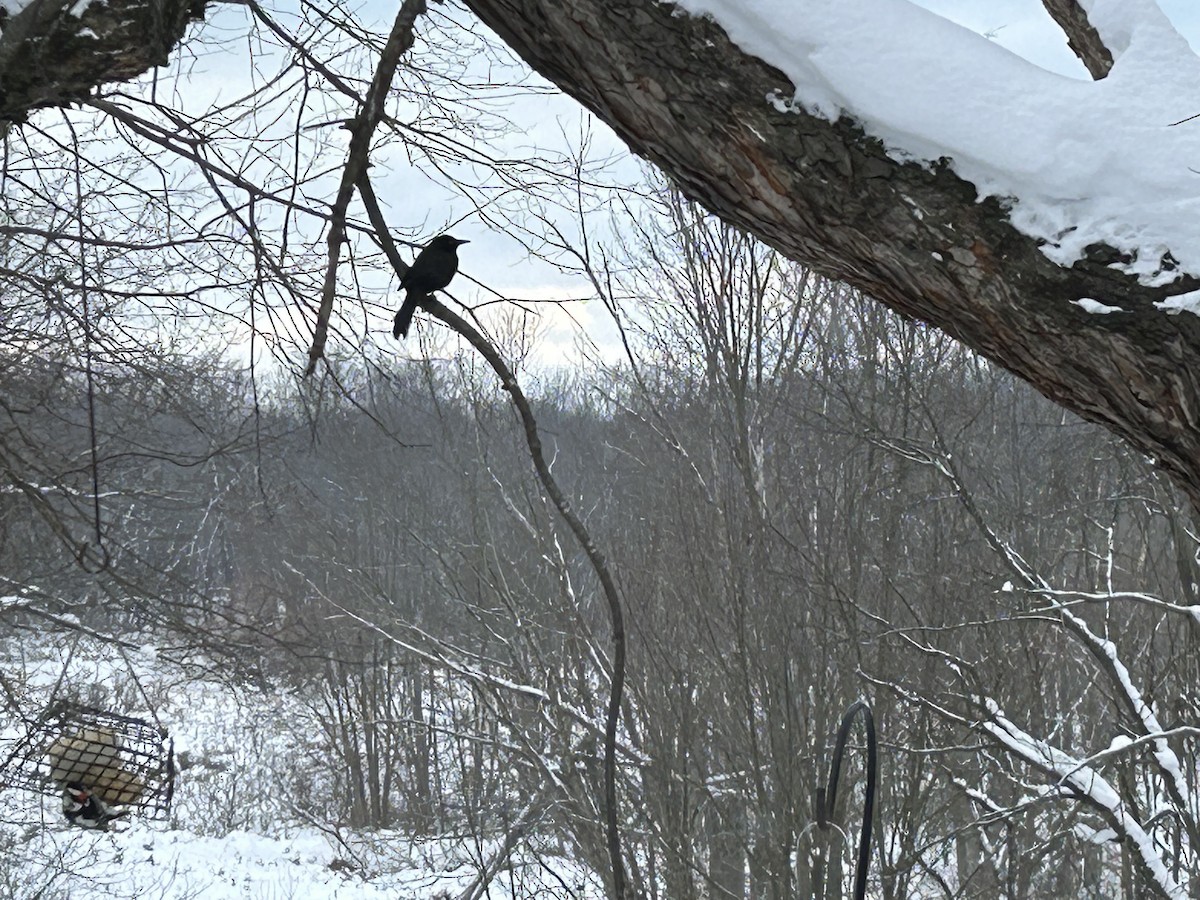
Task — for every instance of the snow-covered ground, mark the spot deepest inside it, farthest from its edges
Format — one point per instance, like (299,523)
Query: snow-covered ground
(46,858)
(232,832)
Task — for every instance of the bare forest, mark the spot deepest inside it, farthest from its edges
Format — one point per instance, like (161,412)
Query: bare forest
(747,494)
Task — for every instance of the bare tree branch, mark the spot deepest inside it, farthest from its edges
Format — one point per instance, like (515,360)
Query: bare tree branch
(1082,38)
(599,564)
(361,129)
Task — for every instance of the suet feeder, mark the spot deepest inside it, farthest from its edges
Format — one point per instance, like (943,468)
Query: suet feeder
(125,761)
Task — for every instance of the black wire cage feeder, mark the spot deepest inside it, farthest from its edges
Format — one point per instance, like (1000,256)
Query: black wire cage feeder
(125,761)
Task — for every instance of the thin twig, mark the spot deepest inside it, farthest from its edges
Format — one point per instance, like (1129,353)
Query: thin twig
(361,129)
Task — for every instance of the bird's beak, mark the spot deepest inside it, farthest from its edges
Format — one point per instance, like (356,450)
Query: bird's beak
(464,242)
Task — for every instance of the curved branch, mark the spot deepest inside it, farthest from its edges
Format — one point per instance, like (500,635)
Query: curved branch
(508,381)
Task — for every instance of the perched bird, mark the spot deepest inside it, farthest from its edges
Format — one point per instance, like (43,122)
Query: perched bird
(431,271)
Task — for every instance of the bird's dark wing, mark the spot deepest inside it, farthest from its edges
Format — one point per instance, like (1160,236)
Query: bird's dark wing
(404,317)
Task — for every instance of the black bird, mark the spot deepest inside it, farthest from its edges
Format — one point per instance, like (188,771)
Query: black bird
(431,271)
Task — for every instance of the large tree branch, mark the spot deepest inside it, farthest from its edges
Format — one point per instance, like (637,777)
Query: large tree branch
(683,96)
(50,55)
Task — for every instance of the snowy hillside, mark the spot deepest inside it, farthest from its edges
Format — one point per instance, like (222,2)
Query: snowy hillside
(239,826)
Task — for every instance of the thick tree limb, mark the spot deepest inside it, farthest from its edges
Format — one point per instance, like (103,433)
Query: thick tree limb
(51,56)
(684,97)
(1082,37)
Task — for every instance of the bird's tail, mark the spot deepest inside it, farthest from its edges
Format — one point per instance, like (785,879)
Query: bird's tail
(405,316)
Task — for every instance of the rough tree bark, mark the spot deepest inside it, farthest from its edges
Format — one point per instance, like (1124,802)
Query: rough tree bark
(1082,37)
(684,97)
(54,52)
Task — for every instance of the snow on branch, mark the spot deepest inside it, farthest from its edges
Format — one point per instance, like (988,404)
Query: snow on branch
(1066,598)
(1086,783)
(1101,649)
(1077,162)
(933,170)
(1137,26)
(1106,653)
(1078,776)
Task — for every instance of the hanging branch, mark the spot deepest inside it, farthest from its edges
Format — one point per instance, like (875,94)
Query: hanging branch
(508,381)
(361,129)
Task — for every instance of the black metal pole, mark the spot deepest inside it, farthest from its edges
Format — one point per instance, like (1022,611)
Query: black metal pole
(827,796)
